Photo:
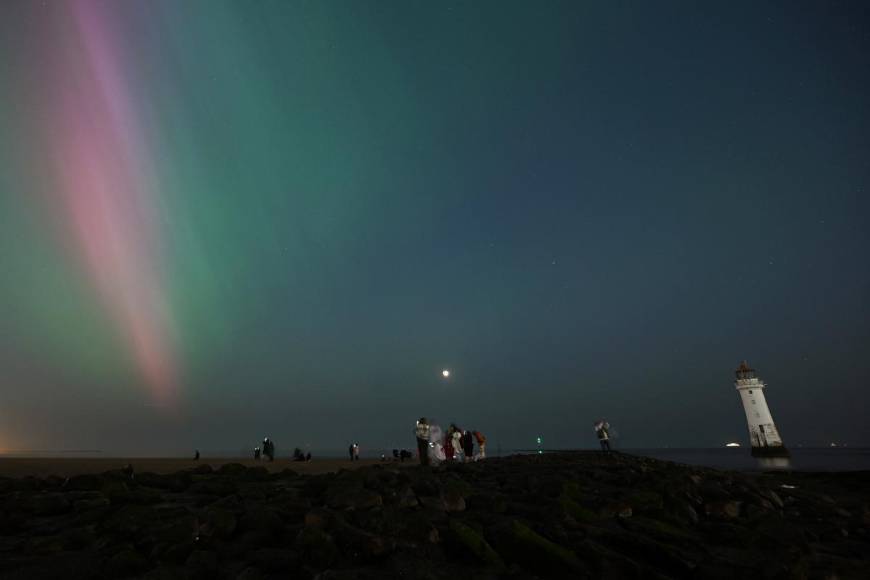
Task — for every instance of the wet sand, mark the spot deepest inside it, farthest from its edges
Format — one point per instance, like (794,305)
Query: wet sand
(66,466)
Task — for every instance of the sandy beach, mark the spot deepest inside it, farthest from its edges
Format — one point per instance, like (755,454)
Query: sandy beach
(67,466)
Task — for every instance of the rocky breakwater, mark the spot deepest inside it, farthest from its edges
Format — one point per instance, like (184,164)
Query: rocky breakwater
(571,515)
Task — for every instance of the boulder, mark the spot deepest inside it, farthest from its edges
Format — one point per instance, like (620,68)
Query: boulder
(232,469)
(317,547)
(48,504)
(261,519)
(274,560)
(201,564)
(407,498)
(91,503)
(219,523)
(723,510)
(474,542)
(125,564)
(543,553)
(355,498)
(453,501)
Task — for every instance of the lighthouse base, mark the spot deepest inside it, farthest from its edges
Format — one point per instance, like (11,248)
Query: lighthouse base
(778,451)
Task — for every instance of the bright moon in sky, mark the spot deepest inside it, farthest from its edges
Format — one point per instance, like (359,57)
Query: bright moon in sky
(445,373)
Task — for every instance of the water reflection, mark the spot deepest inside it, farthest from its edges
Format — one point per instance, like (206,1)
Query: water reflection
(766,463)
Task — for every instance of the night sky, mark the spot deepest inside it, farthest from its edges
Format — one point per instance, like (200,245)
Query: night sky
(226,220)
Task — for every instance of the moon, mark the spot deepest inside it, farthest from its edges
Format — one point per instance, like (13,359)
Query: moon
(445,373)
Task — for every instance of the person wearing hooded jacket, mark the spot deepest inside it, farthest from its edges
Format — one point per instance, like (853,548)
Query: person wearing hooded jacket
(422,433)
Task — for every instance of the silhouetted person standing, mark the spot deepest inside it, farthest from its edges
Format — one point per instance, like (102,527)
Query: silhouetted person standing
(602,430)
(422,432)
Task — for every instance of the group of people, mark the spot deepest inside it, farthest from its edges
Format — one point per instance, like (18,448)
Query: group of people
(433,446)
(298,455)
(400,455)
(268,450)
(456,444)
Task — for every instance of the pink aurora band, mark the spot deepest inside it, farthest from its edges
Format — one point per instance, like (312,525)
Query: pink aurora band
(111,196)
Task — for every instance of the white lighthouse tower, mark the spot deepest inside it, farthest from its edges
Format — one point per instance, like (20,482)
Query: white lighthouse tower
(763,434)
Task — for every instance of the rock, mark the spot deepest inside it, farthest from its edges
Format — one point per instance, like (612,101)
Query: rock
(577,512)
(359,544)
(433,503)
(261,519)
(204,469)
(712,491)
(476,544)
(543,552)
(124,564)
(250,573)
(317,547)
(232,469)
(453,501)
(87,482)
(723,510)
(219,523)
(258,473)
(274,560)
(93,503)
(318,518)
(684,511)
(49,504)
(355,499)
(218,487)
(80,538)
(201,564)
(646,501)
(773,498)
(407,498)
(424,488)
(619,509)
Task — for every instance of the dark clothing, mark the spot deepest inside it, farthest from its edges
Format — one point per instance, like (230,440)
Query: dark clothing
(423,451)
(605,444)
(468,444)
(350,451)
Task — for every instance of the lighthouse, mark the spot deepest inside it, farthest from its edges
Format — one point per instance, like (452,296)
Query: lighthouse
(763,434)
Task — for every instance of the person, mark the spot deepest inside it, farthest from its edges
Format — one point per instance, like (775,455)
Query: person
(457,441)
(269,449)
(448,444)
(601,429)
(422,433)
(308,456)
(257,453)
(350,451)
(468,445)
(481,444)
(356,451)
(196,455)
(396,454)
(298,455)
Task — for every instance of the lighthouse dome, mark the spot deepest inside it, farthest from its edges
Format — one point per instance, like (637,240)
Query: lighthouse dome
(744,371)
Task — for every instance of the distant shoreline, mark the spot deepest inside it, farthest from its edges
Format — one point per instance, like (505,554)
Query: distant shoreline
(70,466)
